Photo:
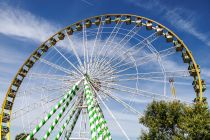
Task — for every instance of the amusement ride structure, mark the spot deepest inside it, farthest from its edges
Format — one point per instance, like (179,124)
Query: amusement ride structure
(70,87)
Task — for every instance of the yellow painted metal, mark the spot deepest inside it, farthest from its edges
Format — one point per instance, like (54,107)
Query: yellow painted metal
(200,94)
(173,89)
(1,125)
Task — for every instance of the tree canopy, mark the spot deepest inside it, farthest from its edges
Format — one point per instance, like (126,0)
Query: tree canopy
(175,121)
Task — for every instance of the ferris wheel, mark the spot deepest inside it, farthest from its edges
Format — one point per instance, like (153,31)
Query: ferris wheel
(93,79)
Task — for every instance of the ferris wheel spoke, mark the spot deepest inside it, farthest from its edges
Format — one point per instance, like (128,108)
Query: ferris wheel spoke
(31,107)
(167,52)
(104,68)
(127,106)
(85,50)
(148,57)
(55,80)
(137,47)
(156,56)
(51,77)
(119,87)
(71,44)
(177,73)
(108,75)
(28,92)
(111,37)
(125,69)
(115,66)
(121,102)
(154,51)
(57,67)
(123,29)
(111,43)
(124,56)
(123,64)
(98,37)
(152,80)
(141,92)
(114,118)
(34,90)
(124,41)
(148,79)
(48,75)
(68,61)
(49,87)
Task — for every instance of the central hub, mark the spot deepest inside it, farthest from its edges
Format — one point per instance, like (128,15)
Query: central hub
(96,84)
(99,74)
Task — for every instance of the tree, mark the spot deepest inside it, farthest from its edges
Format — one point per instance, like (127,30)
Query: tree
(175,121)
(196,123)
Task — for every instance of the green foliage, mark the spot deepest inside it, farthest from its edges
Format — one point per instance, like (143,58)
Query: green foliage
(175,121)
(196,123)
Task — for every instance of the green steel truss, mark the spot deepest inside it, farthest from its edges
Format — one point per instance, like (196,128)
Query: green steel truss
(97,122)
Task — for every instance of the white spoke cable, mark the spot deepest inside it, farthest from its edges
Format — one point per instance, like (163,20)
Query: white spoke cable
(147,58)
(86,55)
(127,106)
(34,90)
(56,66)
(51,77)
(141,45)
(124,41)
(154,51)
(111,36)
(71,44)
(31,107)
(112,42)
(99,31)
(140,92)
(114,118)
(123,70)
(68,61)
(177,73)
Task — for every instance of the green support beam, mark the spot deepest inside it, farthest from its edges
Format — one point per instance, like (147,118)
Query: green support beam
(68,96)
(58,117)
(97,123)
(66,123)
(74,123)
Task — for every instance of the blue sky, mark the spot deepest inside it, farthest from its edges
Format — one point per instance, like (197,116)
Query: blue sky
(189,21)
(25,24)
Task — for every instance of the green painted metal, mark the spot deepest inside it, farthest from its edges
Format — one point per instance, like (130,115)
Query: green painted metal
(69,95)
(96,120)
(58,117)
(66,122)
(91,111)
(74,123)
(104,126)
